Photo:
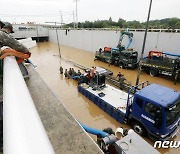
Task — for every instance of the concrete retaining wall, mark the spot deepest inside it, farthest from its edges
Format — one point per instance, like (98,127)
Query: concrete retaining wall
(31,33)
(91,40)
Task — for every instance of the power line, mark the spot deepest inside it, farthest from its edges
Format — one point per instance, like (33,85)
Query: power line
(40,16)
(25,15)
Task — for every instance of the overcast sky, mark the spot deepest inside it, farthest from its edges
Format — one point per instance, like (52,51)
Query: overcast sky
(41,11)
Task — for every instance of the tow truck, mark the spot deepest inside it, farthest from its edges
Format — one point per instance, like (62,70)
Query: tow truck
(121,55)
(164,63)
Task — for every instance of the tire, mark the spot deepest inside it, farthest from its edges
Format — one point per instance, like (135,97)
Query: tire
(116,63)
(122,66)
(153,72)
(139,129)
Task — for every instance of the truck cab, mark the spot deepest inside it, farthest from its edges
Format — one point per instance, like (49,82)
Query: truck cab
(155,111)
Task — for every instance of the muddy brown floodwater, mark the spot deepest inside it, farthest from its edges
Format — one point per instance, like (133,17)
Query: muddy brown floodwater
(45,56)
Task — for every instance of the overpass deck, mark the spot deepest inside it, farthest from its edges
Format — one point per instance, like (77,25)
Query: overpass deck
(65,135)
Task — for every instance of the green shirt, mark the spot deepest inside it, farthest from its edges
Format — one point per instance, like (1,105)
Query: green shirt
(8,40)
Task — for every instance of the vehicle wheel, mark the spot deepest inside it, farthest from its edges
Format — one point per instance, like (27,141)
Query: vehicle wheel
(153,72)
(139,129)
(115,63)
(122,66)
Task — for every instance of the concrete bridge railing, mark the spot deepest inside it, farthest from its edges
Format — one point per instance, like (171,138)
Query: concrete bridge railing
(23,130)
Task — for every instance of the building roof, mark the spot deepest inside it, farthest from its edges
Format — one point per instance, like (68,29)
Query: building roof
(160,94)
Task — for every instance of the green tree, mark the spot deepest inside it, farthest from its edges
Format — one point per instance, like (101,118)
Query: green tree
(162,23)
(110,19)
(178,25)
(88,24)
(172,22)
(121,22)
(134,24)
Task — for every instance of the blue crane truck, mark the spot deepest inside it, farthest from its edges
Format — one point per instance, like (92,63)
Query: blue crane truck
(150,109)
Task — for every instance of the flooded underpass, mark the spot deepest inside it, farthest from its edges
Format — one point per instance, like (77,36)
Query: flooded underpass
(46,57)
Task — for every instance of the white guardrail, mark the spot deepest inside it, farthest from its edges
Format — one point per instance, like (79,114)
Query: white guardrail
(23,131)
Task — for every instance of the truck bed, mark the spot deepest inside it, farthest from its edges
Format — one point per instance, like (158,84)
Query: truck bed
(163,65)
(113,101)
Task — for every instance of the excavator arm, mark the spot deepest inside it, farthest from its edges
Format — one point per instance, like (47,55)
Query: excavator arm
(130,36)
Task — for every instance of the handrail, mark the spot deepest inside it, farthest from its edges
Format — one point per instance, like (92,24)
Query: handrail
(22,127)
(119,29)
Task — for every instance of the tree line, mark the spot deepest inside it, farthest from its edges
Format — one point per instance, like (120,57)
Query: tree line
(167,23)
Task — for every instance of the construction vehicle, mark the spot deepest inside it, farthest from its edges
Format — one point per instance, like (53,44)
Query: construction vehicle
(152,110)
(162,63)
(121,55)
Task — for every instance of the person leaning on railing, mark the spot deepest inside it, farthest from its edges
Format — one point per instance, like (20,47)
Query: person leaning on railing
(9,47)
(14,48)
(1,24)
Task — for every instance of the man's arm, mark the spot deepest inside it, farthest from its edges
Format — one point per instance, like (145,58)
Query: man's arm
(7,40)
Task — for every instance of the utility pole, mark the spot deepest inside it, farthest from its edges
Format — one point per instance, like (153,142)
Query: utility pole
(57,37)
(76,14)
(74,20)
(37,32)
(144,43)
(61,19)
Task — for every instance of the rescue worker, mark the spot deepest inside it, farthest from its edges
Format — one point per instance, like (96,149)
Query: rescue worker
(79,73)
(19,51)
(61,70)
(100,50)
(119,75)
(73,72)
(1,104)
(1,24)
(1,123)
(88,76)
(70,72)
(8,27)
(1,62)
(66,73)
(7,40)
(92,72)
